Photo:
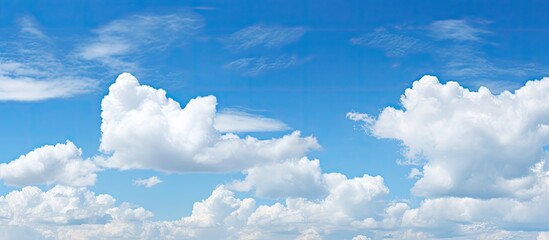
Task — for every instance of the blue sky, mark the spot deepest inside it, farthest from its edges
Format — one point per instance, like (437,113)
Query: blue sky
(274,119)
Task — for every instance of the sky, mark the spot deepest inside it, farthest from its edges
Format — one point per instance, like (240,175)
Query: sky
(274,120)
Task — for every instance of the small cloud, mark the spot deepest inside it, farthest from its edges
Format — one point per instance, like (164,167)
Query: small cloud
(205,8)
(394,45)
(257,65)
(263,36)
(414,173)
(28,26)
(238,121)
(148,182)
(458,30)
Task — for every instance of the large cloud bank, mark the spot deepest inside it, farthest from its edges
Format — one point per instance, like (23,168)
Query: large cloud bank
(480,167)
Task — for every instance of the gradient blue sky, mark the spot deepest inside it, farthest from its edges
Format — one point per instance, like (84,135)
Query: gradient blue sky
(295,65)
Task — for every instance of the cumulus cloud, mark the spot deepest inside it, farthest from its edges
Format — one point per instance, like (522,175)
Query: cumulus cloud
(360,237)
(483,158)
(148,182)
(143,129)
(58,164)
(69,213)
(302,178)
(470,143)
(59,205)
(223,215)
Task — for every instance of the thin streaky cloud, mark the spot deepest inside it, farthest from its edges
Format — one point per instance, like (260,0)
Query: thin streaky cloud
(263,36)
(457,29)
(257,65)
(394,45)
(231,120)
(30,70)
(29,26)
(133,36)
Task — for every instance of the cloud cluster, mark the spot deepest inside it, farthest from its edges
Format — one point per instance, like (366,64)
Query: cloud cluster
(482,156)
(467,141)
(58,164)
(143,129)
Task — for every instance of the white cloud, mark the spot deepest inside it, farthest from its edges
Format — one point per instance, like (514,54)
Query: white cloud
(414,172)
(69,213)
(121,38)
(394,44)
(143,129)
(59,164)
(256,65)
(309,234)
(239,121)
(468,139)
(302,178)
(29,26)
(31,71)
(360,237)
(148,182)
(456,29)
(32,89)
(223,215)
(264,36)
(59,205)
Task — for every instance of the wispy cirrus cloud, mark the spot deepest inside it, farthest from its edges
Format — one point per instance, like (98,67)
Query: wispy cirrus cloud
(457,44)
(30,69)
(235,120)
(121,39)
(458,30)
(394,45)
(263,36)
(253,66)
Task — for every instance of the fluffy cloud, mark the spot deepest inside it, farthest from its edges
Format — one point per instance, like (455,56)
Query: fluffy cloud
(484,172)
(59,164)
(301,178)
(149,182)
(59,205)
(143,129)
(223,215)
(473,144)
(68,213)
